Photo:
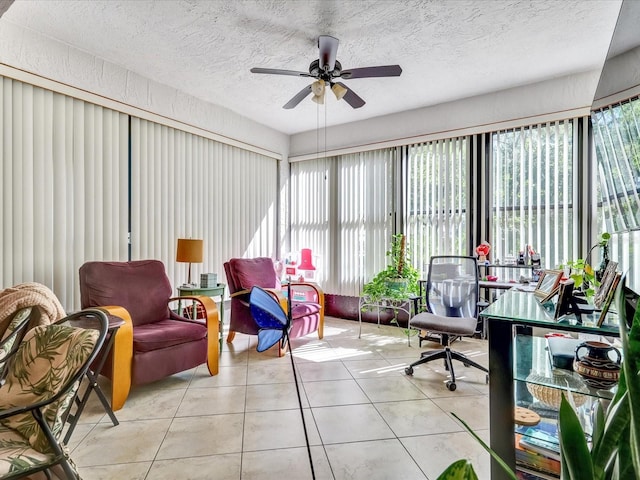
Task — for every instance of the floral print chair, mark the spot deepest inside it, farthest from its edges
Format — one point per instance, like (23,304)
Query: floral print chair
(41,381)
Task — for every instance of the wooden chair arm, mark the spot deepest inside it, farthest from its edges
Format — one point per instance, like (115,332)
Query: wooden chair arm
(212,322)
(320,295)
(122,356)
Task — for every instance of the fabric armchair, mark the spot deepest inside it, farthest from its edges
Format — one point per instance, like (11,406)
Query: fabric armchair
(244,273)
(154,342)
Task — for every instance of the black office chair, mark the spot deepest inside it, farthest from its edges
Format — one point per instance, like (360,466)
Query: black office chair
(452,300)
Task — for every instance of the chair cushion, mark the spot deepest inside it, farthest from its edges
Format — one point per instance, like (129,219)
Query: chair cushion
(142,287)
(166,333)
(446,325)
(8,339)
(248,272)
(303,309)
(45,362)
(17,456)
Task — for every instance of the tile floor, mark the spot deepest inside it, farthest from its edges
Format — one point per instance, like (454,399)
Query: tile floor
(365,418)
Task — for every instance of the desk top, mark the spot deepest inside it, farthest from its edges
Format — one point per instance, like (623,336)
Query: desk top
(523,308)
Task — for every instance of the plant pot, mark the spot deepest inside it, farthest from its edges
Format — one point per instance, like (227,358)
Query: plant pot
(396,284)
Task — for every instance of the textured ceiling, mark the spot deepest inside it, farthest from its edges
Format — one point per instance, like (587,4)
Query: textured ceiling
(447,49)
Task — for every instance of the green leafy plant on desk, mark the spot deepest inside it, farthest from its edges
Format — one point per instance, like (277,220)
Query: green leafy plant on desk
(581,271)
(615,450)
(398,281)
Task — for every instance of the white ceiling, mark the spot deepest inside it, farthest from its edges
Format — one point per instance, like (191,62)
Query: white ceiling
(447,49)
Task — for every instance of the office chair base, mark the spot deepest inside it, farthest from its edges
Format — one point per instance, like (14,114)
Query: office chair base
(448,355)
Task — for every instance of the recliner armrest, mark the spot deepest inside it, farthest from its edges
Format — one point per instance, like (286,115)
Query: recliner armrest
(212,321)
(122,356)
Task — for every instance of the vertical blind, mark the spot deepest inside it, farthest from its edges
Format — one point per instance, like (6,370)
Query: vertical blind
(533,192)
(188,186)
(437,199)
(344,211)
(64,187)
(69,191)
(616,139)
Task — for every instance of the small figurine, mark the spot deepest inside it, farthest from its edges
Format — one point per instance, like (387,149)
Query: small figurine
(483,251)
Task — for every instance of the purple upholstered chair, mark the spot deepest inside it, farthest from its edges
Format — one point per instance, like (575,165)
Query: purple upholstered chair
(154,342)
(244,273)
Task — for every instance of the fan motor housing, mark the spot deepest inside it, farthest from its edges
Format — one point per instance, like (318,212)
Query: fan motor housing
(314,70)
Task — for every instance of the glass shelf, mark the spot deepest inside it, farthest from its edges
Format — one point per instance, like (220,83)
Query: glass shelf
(533,365)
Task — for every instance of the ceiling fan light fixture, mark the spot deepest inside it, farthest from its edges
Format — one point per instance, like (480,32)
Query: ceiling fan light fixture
(338,90)
(317,88)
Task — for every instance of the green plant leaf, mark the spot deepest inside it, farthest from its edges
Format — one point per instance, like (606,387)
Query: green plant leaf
(631,379)
(577,458)
(459,470)
(493,454)
(607,446)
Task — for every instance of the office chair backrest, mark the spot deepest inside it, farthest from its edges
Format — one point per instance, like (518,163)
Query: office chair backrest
(452,286)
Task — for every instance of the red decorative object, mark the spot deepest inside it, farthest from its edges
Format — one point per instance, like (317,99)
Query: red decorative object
(483,251)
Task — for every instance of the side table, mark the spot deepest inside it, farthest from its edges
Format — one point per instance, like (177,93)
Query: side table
(92,375)
(410,306)
(217,291)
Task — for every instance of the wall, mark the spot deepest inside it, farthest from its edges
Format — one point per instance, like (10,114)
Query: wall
(29,51)
(560,98)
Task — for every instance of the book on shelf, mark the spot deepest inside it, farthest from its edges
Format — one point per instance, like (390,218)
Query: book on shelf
(524,473)
(534,460)
(541,438)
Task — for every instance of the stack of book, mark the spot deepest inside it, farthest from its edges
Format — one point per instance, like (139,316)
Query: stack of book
(538,448)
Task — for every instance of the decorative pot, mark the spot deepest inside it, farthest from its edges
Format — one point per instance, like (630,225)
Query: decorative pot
(595,366)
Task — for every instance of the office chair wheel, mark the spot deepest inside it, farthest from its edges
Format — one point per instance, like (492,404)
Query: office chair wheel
(450,386)
(408,370)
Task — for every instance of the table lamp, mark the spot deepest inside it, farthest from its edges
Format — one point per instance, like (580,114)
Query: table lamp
(189,251)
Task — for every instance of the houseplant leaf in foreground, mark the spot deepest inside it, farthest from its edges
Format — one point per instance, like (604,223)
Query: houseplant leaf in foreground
(471,475)
(459,470)
(573,444)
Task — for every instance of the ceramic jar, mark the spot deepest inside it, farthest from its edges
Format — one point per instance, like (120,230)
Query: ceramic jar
(594,364)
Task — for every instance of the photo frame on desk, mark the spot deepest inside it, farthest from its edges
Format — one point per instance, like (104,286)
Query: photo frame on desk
(565,301)
(611,292)
(547,285)
(606,285)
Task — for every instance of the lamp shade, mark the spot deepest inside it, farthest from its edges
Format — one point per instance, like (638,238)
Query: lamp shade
(189,250)
(338,90)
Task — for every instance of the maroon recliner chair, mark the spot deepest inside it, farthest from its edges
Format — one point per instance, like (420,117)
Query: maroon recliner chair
(244,273)
(154,342)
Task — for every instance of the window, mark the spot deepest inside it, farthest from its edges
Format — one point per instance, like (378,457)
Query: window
(616,139)
(437,198)
(342,209)
(533,192)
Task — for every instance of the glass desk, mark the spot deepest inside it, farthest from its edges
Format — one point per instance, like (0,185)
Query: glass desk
(510,320)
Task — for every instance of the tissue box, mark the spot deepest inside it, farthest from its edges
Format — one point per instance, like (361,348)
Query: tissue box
(208,280)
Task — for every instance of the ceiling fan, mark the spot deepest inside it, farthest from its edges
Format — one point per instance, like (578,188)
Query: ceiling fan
(326,70)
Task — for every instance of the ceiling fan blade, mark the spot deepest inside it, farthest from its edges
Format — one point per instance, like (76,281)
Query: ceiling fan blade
(276,71)
(368,72)
(297,98)
(328,47)
(351,98)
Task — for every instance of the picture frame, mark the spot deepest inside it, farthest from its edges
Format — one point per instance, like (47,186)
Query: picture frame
(606,285)
(609,298)
(564,304)
(547,285)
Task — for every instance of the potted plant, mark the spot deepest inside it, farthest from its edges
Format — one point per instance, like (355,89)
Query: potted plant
(398,281)
(584,276)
